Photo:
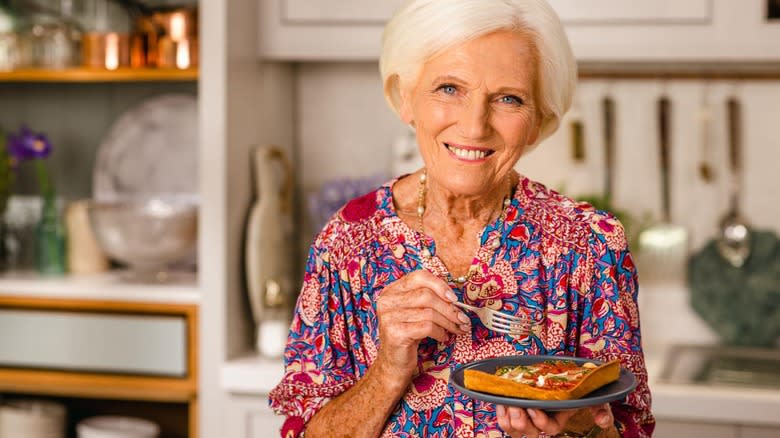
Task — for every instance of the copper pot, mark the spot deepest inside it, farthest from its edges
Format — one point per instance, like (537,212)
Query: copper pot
(167,39)
(181,54)
(177,24)
(108,50)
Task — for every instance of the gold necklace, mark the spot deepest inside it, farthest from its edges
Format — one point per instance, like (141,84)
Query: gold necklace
(426,253)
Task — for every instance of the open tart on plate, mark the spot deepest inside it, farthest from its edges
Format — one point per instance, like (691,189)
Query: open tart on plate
(553,379)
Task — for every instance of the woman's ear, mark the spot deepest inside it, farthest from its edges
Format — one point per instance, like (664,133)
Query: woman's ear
(405,106)
(533,137)
(399,98)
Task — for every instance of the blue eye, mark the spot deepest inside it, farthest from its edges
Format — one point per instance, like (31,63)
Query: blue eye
(511,100)
(448,89)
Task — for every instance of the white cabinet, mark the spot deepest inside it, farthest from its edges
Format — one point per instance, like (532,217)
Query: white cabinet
(600,30)
(631,12)
(354,12)
(667,428)
(263,423)
(250,417)
(674,429)
(242,103)
(572,12)
(759,432)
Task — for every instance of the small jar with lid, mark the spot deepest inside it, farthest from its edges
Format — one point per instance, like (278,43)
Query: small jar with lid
(9,41)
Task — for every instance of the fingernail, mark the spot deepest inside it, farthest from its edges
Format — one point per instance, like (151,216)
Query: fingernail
(532,413)
(500,410)
(463,318)
(451,295)
(465,327)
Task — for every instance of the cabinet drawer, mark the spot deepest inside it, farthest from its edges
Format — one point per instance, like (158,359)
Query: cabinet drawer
(603,31)
(759,432)
(94,342)
(362,12)
(674,428)
(264,423)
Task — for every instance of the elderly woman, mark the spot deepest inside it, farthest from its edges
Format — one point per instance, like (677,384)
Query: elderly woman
(376,334)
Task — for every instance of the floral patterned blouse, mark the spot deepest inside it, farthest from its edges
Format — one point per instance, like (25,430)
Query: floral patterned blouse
(561,262)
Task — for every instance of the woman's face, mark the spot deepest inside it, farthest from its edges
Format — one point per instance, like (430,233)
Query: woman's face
(474,108)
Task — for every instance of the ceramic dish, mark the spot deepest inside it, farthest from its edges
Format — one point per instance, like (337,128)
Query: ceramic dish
(614,391)
(117,427)
(151,149)
(32,418)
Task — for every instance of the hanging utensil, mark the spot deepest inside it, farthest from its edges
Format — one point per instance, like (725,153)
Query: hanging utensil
(608,108)
(734,235)
(663,247)
(706,171)
(577,141)
(577,133)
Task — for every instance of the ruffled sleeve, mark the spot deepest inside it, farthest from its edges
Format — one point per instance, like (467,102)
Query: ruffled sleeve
(609,327)
(317,365)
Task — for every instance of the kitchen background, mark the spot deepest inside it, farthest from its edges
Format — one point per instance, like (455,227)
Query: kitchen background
(302,75)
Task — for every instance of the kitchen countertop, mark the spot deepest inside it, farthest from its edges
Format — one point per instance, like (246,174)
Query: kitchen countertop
(254,375)
(105,286)
(708,403)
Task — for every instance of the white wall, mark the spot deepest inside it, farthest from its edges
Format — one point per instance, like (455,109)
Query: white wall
(344,128)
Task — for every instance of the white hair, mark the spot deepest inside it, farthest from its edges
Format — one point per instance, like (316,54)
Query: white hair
(421,29)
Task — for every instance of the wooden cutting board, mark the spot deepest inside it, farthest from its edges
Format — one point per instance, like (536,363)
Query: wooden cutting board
(268,247)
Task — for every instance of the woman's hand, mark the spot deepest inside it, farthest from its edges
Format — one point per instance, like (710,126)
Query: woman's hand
(531,423)
(414,307)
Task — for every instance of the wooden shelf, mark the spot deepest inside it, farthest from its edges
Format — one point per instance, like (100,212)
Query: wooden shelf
(72,384)
(99,75)
(703,71)
(106,385)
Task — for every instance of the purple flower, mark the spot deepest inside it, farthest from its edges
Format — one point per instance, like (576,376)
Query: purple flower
(27,145)
(333,194)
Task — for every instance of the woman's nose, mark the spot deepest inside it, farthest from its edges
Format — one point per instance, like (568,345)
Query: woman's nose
(474,121)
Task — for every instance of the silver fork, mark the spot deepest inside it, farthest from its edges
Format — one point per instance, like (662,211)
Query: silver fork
(499,321)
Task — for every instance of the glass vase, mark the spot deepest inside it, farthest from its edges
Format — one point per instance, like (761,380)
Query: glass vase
(50,239)
(5,258)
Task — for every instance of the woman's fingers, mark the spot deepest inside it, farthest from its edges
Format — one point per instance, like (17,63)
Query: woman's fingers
(602,415)
(412,308)
(423,279)
(450,322)
(519,422)
(551,423)
(515,421)
(419,296)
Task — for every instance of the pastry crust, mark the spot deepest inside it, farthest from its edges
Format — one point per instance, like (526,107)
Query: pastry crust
(493,384)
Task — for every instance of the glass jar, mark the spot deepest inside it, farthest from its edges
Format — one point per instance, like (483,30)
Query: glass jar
(21,219)
(9,51)
(49,43)
(50,239)
(103,16)
(9,42)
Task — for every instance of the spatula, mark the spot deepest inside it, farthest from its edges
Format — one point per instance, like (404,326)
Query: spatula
(663,247)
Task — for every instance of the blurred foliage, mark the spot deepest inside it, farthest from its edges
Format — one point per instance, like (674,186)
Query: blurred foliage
(632,223)
(740,304)
(7,172)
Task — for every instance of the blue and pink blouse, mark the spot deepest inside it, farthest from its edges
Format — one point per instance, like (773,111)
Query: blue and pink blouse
(561,262)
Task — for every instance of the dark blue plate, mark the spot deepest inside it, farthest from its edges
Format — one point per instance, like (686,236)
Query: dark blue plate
(616,390)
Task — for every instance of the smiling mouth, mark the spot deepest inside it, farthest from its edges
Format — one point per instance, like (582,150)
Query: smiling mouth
(468,153)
